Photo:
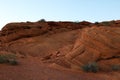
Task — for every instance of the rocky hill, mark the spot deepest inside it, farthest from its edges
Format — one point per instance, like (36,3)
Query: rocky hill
(62,50)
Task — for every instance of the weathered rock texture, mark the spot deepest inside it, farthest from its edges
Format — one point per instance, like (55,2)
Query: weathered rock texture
(67,44)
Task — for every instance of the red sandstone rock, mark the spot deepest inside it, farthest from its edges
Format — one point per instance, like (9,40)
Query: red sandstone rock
(61,47)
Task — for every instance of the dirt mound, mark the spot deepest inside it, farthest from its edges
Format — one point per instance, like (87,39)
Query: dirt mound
(69,45)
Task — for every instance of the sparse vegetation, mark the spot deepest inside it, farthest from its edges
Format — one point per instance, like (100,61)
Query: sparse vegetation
(96,23)
(13,62)
(91,67)
(42,20)
(113,21)
(105,23)
(3,59)
(77,22)
(115,67)
(8,58)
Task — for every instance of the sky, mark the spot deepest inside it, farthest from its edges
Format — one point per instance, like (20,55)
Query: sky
(58,10)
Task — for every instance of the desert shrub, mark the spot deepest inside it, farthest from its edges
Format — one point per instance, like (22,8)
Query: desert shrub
(105,23)
(113,21)
(91,67)
(13,62)
(76,22)
(115,67)
(96,23)
(42,20)
(8,58)
(3,59)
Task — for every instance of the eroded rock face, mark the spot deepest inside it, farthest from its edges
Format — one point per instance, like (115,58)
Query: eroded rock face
(15,31)
(101,45)
(65,43)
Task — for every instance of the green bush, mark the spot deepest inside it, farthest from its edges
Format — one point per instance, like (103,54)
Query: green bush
(77,22)
(8,58)
(91,67)
(13,62)
(105,23)
(96,23)
(3,59)
(115,67)
(42,20)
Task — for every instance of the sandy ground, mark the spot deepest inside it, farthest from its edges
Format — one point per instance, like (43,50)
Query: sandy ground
(34,69)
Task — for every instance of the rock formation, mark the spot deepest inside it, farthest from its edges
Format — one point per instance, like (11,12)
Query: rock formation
(69,45)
